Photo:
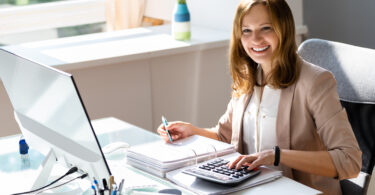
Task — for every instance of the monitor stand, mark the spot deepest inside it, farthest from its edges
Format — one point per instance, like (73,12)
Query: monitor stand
(46,168)
(45,176)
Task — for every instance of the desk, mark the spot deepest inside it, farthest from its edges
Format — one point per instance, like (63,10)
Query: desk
(110,130)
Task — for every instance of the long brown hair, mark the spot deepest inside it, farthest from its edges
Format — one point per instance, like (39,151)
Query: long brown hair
(285,70)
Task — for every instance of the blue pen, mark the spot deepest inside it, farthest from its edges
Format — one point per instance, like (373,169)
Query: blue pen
(96,183)
(93,188)
(165,126)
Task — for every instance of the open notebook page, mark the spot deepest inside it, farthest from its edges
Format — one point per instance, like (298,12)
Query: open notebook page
(188,148)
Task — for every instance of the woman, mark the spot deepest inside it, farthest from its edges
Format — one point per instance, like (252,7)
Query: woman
(284,111)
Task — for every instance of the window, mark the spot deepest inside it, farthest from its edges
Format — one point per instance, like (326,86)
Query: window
(23,2)
(33,20)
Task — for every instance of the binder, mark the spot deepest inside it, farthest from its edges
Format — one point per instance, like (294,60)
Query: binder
(159,157)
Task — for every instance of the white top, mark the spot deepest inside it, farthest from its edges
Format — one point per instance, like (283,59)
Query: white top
(259,122)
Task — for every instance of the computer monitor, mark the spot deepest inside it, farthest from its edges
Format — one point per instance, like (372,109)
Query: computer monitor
(51,114)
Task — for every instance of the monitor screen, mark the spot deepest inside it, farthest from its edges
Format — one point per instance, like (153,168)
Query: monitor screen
(51,114)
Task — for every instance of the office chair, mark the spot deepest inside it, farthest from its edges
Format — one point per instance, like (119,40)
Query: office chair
(352,68)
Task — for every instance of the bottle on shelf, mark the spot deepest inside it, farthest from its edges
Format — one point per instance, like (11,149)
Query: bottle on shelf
(181,21)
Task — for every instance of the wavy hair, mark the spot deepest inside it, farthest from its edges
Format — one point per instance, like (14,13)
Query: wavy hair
(285,70)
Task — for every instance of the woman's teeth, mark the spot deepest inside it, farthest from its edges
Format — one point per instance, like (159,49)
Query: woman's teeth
(261,49)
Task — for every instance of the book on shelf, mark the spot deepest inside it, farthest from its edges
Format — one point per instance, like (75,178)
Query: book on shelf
(171,159)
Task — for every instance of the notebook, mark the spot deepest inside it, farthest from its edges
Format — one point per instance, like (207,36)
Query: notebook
(159,157)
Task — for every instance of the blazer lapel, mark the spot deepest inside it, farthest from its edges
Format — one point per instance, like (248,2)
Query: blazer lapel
(237,122)
(283,117)
(283,123)
(283,114)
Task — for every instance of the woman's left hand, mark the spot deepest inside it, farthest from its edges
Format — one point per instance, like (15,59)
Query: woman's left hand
(266,157)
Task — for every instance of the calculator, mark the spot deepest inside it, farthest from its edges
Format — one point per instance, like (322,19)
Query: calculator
(217,171)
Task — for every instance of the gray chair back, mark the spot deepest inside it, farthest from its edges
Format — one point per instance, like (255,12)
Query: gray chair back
(354,70)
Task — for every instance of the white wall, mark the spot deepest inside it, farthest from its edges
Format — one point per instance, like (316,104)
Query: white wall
(217,14)
(344,21)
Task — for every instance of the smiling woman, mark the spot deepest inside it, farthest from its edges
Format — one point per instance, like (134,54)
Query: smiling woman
(259,39)
(284,111)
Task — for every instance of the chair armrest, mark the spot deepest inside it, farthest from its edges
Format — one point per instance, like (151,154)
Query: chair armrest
(371,184)
(356,185)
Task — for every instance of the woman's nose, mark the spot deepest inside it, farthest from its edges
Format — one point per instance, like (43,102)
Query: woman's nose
(256,37)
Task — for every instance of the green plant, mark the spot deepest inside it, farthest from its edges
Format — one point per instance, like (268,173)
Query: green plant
(181,1)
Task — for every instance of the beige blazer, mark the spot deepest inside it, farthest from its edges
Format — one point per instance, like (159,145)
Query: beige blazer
(310,118)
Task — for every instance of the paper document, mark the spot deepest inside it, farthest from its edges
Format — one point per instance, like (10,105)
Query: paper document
(160,157)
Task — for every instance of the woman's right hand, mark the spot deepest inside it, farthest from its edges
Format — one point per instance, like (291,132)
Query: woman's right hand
(177,129)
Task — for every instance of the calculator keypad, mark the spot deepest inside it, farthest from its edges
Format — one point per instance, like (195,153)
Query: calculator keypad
(218,171)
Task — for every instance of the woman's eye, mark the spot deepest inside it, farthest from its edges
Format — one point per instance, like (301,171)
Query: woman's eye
(246,30)
(267,28)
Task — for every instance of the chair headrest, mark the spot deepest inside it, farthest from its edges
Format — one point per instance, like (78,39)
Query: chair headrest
(352,66)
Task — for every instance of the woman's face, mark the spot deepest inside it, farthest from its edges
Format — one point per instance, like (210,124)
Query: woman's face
(258,36)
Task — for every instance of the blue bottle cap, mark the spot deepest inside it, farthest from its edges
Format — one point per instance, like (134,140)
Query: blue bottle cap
(182,13)
(24,148)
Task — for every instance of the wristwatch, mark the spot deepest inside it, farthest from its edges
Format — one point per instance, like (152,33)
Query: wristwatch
(277,155)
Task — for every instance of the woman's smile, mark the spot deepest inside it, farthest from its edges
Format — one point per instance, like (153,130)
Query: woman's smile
(260,49)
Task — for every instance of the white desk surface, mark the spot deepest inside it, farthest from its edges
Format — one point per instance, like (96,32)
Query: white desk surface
(11,170)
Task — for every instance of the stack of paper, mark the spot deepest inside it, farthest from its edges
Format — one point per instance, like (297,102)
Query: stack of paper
(159,157)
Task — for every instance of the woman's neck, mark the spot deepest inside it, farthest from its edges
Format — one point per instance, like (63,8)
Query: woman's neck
(266,69)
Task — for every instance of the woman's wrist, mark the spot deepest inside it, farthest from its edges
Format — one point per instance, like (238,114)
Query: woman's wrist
(194,130)
(204,132)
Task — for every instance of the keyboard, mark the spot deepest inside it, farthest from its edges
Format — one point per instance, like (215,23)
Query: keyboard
(217,171)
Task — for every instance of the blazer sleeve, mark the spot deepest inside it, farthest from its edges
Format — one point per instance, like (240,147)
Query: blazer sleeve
(333,126)
(224,127)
